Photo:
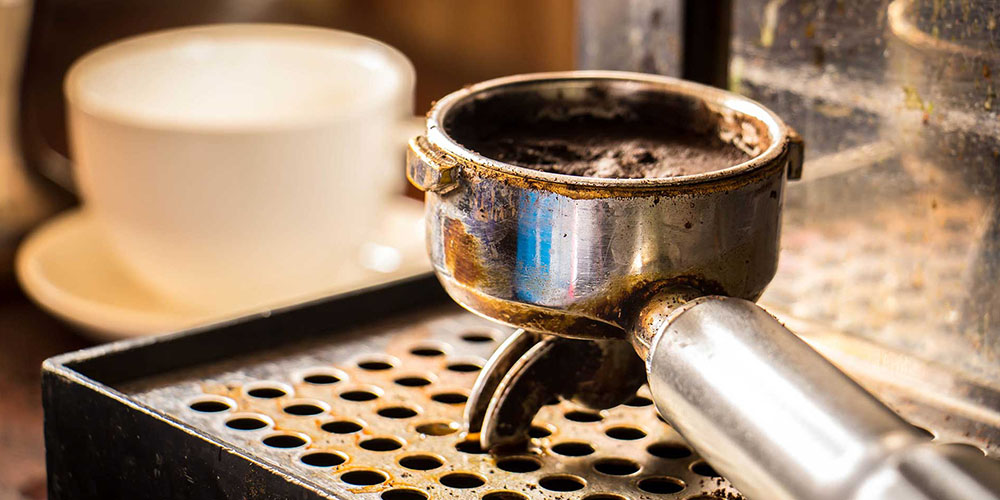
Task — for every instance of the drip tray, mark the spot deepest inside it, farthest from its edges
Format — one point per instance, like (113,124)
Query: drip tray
(359,396)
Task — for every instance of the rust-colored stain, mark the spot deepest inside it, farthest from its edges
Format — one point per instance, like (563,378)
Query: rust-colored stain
(531,317)
(605,317)
(461,253)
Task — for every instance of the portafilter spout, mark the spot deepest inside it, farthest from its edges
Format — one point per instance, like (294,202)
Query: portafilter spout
(595,270)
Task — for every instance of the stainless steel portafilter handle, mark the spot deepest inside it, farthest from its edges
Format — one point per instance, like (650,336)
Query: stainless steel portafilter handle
(595,270)
(780,422)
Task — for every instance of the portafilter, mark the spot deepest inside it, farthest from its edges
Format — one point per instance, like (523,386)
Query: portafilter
(594,270)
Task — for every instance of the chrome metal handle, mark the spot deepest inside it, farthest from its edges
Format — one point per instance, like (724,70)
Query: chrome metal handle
(428,169)
(781,422)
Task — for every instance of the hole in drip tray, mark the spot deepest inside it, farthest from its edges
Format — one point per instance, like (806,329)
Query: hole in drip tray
(321,379)
(414,381)
(403,494)
(359,396)
(462,480)
(661,485)
(397,412)
(266,392)
(476,337)
(471,446)
(519,464)
(421,462)
(538,432)
(639,401)
(210,406)
(450,398)
(703,469)
(284,441)
(584,416)
(374,365)
(606,496)
(464,367)
(573,449)
(426,351)
(668,450)
(246,423)
(323,459)
(363,477)
(562,483)
(625,433)
(616,466)
(504,495)
(381,444)
(341,427)
(303,409)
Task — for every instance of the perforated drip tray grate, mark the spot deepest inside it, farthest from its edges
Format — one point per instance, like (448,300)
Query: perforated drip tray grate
(378,413)
(372,411)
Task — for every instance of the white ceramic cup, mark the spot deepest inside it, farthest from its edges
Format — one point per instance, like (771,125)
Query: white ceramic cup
(239,164)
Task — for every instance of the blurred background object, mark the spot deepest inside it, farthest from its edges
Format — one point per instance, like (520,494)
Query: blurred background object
(451,43)
(234,166)
(893,236)
(496,39)
(24,200)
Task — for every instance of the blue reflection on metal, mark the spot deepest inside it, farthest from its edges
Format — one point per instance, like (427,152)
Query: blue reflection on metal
(534,246)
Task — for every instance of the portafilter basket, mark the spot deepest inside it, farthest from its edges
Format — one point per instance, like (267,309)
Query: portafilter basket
(595,270)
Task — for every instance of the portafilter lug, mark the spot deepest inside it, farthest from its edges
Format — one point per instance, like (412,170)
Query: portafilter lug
(530,370)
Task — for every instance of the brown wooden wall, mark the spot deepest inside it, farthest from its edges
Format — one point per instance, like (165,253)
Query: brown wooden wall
(457,42)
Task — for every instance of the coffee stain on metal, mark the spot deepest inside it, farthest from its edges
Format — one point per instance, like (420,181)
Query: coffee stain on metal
(461,253)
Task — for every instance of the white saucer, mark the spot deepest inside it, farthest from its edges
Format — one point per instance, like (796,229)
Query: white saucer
(66,268)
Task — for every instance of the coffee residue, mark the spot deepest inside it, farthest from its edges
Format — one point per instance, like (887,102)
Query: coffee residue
(608,148)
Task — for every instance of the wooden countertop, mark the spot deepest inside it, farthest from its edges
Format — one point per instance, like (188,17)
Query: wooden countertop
(28,336)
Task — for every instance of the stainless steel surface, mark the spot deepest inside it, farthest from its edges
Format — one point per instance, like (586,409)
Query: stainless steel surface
(563,254)
(781,422)
(929,472)
(899,274)
(420,368)
(891,237)
(952,407)
(577,257)
(945,72)
(631,35)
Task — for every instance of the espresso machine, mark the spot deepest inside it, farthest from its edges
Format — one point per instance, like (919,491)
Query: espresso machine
(591,268)
(629,348)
